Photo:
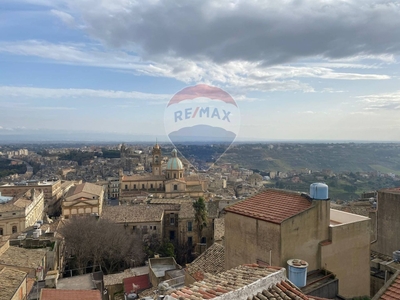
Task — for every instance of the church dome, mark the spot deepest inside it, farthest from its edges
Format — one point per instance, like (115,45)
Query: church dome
(174,163)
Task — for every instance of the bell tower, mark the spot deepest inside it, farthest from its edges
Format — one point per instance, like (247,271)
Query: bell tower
(156,163)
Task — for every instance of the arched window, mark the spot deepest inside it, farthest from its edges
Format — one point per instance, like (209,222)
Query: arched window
(14,229)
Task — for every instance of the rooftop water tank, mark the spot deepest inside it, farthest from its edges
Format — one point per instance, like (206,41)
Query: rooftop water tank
(131,296)
(297,272)
(319,191)
(396,256)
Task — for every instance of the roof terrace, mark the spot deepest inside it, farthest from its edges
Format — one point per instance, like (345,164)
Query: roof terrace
(340,217)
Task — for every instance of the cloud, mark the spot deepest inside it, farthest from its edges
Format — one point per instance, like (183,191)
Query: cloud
(234,74)
(49,93)
(386,101)
(271,32)
(52,108)
(64,17)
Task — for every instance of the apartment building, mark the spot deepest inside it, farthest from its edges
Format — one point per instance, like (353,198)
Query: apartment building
(20,212)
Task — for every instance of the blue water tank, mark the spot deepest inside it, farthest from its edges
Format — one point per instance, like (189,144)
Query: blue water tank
(297,272)
(319,191)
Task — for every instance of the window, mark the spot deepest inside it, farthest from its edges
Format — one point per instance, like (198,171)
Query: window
(160,186)
(172,235)
(190,241)
(203,240)
(180,175)
(174,175)
(151,186)
(134,186)
(1,231)
(154,227)
(126,186)
(189,226)
(14,214)
(172,218)
(175,187)
(14,229)
(142,186)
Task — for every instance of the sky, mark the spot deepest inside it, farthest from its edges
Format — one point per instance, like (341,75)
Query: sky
(105,70)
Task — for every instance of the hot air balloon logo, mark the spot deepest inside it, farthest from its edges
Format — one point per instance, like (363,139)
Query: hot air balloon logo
(202,114)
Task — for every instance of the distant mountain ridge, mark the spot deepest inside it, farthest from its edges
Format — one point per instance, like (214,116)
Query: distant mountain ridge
(338,157)
(202,133)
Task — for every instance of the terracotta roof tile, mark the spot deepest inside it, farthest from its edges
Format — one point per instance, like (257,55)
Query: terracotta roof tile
(267,283)
(393,291)
(136,213)
(211,261)
(53,294)
(85,187)
(10,281)
(138,177)
(271,205)
(21,257)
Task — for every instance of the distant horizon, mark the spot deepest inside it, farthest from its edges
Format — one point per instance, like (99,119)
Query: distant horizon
(151,141)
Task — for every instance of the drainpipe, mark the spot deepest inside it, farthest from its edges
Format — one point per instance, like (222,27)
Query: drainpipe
(376,220)
(270,254)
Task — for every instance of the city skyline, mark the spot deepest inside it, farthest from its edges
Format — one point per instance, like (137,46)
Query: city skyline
(304,71)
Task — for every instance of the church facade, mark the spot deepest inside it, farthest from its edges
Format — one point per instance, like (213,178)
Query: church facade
(169,184)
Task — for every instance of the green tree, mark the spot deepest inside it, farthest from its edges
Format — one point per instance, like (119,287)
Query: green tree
(152,245)
(200,216)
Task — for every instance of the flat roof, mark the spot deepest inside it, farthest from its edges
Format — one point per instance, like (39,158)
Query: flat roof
(160,265)
(4,199)
(159,270)
(81,282)
(118,278)
(27,183)
(339,217)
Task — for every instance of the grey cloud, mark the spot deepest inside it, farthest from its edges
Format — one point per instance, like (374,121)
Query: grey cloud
(266,31)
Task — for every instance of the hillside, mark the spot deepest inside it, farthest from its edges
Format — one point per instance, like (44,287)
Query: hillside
(353,157)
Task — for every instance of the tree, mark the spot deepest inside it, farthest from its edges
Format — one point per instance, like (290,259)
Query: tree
(200,216)
(152,245)
(102,243)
